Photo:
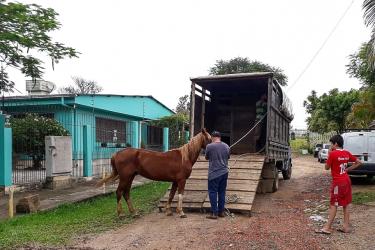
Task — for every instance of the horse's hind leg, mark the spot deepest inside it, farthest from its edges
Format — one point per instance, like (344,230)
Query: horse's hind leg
(168,209)
(181,188)
(127,195)
(119,192)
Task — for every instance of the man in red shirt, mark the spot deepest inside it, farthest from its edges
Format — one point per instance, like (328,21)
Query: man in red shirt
(341,189)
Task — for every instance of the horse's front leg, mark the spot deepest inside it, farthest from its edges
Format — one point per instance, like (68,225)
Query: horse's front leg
(181,188)
(168,209)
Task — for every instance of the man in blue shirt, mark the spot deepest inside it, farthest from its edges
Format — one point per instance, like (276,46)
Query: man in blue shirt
(217,153)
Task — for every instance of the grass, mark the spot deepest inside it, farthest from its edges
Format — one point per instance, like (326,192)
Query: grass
(363,197)
(298,144)
(58,227)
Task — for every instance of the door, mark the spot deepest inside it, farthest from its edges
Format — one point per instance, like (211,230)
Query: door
(371,148)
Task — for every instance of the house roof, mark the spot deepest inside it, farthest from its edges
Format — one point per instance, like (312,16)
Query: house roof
(132,103)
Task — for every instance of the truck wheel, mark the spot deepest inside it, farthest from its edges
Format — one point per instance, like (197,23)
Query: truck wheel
(275,184)
(287,173)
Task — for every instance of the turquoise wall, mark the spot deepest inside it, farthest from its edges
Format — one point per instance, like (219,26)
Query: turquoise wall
(136,106)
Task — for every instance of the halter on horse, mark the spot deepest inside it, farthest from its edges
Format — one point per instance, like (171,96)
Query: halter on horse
(174,166)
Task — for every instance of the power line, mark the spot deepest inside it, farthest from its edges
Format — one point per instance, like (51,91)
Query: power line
(322,46)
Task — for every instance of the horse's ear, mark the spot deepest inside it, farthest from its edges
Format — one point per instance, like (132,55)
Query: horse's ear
(204,130)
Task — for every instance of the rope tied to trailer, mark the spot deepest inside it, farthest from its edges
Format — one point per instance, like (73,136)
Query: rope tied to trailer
(232,198)
(248,132)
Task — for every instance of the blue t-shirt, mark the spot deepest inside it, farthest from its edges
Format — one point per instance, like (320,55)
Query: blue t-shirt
(217,153)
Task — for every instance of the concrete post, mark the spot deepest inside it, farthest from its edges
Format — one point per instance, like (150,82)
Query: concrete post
(135,134)
(87,151)
(165,139)
(5,153)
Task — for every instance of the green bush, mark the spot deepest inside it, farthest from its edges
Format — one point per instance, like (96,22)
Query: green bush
(29,134)
(177,124)
(298,144)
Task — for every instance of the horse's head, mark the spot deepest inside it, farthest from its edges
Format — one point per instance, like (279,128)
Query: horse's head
(206,138)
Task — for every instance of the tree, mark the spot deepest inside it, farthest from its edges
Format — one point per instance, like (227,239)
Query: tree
(329,112)
(6,85)
(82,86)
(29,134)
(312,102)
(359,67)
(25,30)
(177,124)
(183,105)
(363,111)
(369,16)
(245,65)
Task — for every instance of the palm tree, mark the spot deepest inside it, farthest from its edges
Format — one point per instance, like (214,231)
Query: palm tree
(369,16)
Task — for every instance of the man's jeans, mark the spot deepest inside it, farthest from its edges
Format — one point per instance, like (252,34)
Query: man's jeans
(217,187)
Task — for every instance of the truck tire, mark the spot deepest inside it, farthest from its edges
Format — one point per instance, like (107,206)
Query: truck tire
(287,174)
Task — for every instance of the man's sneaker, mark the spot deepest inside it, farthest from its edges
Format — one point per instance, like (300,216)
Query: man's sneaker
(221,214)
(211,216)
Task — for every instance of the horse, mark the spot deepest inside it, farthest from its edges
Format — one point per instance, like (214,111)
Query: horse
(173,166)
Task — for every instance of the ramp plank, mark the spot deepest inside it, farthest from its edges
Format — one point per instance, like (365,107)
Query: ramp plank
(243,181)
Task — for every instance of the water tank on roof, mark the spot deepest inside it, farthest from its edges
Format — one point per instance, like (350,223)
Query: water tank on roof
(39,87)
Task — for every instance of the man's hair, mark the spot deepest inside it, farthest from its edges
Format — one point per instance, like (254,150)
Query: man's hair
(337,139)
(216,134)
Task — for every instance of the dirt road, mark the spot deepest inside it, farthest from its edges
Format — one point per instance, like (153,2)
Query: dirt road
(279,221)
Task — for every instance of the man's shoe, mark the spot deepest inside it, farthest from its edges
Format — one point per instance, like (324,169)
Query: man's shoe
(221,214)
(212,216)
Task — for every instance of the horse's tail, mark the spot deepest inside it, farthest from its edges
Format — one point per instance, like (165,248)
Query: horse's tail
(112,177)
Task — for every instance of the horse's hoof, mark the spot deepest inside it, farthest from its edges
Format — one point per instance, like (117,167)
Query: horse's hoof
(183,216)
(121,216)
(136,215)
(169,213)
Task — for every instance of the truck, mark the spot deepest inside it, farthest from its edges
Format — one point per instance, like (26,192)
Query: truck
(228,103)
(259,141)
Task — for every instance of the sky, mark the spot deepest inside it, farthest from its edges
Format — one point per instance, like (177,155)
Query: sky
(154,47)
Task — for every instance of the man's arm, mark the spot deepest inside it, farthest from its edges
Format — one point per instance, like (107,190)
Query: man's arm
(327,167)
(356,164)
(328,164)
(207,153)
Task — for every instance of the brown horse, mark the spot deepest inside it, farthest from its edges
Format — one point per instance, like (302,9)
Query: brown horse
(174,166)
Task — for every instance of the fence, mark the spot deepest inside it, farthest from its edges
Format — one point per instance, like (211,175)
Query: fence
(315,138)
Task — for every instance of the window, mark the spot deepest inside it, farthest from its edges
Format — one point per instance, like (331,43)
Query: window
(108,130)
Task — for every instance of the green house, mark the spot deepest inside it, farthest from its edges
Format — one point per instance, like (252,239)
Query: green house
(113,121)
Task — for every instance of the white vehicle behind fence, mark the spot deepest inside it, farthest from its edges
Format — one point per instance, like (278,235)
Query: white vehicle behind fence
(362,145)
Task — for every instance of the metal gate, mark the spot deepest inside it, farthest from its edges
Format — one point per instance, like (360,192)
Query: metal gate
(154,140)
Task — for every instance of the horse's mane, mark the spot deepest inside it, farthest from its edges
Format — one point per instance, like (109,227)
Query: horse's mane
(190,150)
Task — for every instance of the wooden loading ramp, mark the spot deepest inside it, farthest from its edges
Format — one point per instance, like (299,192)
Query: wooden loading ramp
(243,179)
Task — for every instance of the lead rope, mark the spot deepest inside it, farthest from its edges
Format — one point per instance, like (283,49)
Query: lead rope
(233,198)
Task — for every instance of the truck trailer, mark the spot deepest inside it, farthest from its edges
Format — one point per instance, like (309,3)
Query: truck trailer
(259,141)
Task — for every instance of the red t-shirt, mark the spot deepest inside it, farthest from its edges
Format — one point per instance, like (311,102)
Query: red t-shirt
(338,161)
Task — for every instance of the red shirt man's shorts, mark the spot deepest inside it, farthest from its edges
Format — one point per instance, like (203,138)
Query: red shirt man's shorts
(341,188)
